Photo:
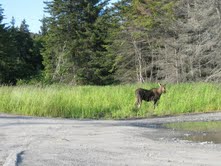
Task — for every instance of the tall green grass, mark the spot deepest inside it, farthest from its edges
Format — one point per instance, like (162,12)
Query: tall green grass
(211,126)
(107,101)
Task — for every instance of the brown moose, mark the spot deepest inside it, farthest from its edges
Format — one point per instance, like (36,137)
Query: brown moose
(149,95)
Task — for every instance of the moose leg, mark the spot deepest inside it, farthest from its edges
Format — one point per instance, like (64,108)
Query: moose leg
(138,102)
(155,103)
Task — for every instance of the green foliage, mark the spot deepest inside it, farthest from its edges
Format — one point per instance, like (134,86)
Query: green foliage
(89,43)
(139,27)
(85,43)
(74,49)
(212,126)
(19,54)
(107,101)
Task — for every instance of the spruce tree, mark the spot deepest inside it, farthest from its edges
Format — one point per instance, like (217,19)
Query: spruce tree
(75,44)
(7,54)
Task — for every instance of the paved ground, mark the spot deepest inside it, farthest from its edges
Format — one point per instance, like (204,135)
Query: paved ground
(30,141)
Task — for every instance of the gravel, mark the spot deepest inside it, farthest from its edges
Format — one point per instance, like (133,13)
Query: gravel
(36,141)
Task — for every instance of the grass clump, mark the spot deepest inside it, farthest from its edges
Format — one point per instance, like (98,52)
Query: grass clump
(108,102)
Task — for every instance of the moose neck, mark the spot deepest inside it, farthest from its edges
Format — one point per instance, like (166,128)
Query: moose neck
(159,91)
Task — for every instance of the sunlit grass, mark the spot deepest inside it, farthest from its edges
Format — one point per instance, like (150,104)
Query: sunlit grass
(211,126)
(107,101)
(190,98)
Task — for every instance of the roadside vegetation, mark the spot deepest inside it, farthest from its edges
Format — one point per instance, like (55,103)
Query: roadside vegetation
(211,126)
(107,102)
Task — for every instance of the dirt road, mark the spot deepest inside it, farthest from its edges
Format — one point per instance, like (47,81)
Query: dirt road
(30,141)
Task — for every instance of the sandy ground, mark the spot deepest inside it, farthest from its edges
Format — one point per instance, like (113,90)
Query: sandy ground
(30,141)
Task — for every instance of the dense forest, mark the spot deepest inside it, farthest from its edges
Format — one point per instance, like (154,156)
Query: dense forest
(90,42)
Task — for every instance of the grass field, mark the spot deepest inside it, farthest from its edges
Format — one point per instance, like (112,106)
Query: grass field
(108,102)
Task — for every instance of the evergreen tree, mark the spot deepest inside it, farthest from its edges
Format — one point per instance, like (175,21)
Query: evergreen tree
(2,53)
(13,22)
(24,26)
(44,27)
(141,25)
(19,58)
(7,55)
(75,44)
(27,65)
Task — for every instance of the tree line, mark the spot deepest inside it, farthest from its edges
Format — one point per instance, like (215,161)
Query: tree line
(90,42)
(20,56)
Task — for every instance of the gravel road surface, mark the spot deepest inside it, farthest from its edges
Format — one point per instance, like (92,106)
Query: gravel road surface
(31,141)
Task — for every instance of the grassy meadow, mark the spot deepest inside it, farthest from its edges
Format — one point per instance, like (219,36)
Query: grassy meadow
(107,102)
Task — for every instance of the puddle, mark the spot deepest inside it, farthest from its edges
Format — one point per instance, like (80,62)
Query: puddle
(207,132)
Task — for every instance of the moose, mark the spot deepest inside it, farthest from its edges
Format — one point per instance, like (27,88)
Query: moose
(149,95)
